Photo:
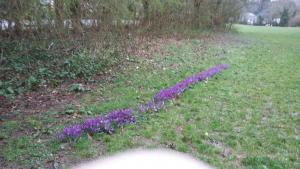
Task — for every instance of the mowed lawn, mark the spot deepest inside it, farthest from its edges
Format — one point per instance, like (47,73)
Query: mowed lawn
(246,117)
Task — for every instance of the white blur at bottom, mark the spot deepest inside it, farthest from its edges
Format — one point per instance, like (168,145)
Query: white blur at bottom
(146,159)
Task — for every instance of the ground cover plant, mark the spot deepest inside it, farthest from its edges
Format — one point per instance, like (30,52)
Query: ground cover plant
(247,117)
(26,66)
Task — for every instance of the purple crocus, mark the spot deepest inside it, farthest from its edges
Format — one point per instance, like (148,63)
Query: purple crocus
(154,106)
(94,124)
(71,132)
(99,124)
(121,117)
(142,108)
(179,88)
(170,93)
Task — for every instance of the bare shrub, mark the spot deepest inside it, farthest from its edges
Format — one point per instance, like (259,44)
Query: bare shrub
(295,21)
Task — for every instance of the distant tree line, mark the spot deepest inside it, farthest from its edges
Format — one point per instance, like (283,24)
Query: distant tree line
(65,17)
(276,13)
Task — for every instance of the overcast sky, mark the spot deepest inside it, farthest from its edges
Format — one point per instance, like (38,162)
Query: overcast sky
(298,2)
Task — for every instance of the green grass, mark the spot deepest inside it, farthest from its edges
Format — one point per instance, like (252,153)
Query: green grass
(27,151)
(252,109)
(245,117)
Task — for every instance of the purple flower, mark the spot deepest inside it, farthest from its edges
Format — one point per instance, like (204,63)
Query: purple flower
(155,106)
(119,118)
(108,127)
(71,132)
(142,108)
(100,124)
(94,124)
(179,88)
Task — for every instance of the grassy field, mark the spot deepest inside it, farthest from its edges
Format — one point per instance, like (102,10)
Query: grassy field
(246,117)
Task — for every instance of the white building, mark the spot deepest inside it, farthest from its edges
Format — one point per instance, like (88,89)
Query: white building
(249,18)
(276,20)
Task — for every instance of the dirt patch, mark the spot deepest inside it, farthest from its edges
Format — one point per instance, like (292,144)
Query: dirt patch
(151,47)
(192,147)
(227,151)
(40,101)
(45,98)
(145,141)
(5,105)
(34,102)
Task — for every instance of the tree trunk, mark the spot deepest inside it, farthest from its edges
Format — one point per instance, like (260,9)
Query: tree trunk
(58,10)
(15,7)
(75,9)
(196,13)
(146,10)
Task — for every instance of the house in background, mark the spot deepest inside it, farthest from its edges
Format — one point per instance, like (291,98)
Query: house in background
(276,21)
(248,18)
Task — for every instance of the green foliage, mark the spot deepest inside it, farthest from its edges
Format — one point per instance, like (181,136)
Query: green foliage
(86,111)
(261,163)
(32,82)
(83,65)
(284,18)
(26,151)
(77,88)
(7,128)
(83,148)
(26,66)
(69,110)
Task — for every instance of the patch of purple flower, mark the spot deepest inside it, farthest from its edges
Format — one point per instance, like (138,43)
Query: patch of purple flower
(119,118)
(169,93)
(99,124)
(70,132)
(94,124)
